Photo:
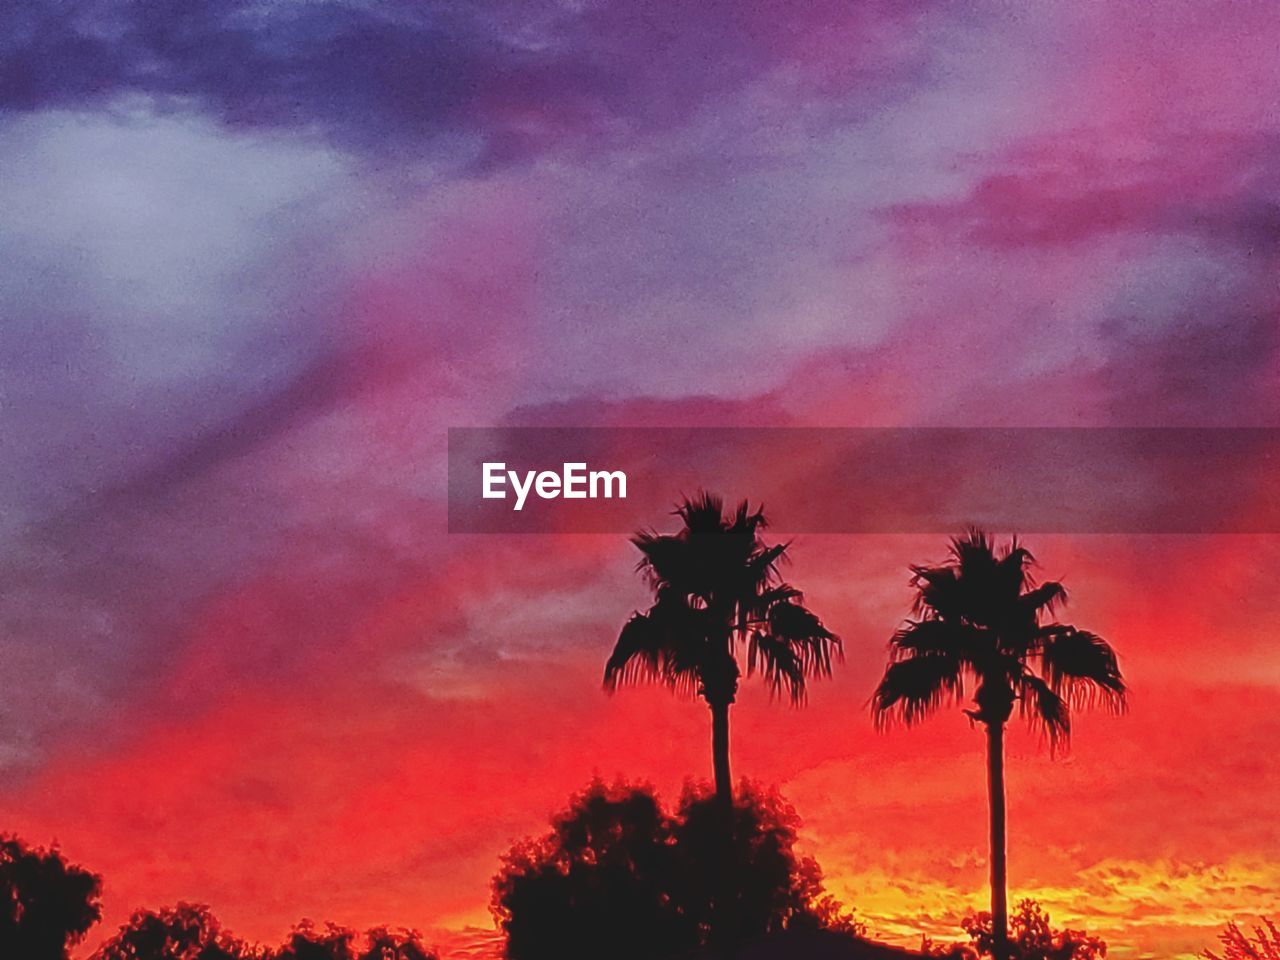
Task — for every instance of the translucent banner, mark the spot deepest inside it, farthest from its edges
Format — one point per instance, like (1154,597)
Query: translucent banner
(870,480)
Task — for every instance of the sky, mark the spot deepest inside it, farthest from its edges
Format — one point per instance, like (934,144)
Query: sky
(260,256)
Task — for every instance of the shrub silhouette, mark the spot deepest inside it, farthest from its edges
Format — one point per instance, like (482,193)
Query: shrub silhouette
(1262,944)
(619,877)
(188,931)
(772,889)
(599,880)
(1031,937)
(191,932)
(333,942)
(383,943)
(309,942)
(46,904)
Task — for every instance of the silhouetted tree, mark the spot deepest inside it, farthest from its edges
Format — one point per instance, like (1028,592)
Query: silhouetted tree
(383,943)
(188,931)
(618,877)
(771,889)
(192,932)
(1262,944)
(597,885)
(981,619)
(308,942)
(716,587)
(1031,937)
(46,904)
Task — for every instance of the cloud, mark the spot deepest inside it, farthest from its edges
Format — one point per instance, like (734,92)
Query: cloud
(1060,190)
(146,301)
(490,82)
(349,69)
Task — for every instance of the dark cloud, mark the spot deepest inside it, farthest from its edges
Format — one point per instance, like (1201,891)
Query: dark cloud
(1015,211)
(1202,370)
(356,73)
(504,77)
(1220,189)
(703,411)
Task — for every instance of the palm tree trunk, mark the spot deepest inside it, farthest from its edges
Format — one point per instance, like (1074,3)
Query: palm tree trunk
(999,869)
(723,920)
(720,754)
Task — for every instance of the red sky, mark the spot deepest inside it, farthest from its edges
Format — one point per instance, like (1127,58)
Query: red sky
(331,792)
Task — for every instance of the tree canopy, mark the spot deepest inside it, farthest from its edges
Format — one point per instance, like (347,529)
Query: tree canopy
(46,904)
(618,876)
(982,621)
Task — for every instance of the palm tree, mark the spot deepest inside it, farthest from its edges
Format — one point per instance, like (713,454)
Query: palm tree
(981,620)
(717,588)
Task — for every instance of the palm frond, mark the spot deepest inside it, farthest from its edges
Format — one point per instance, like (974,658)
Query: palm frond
(938,592)
(703,513)
(717,584)
(1082,667)
(637,655)
(1013,569)
(1039,704)
(658,646)
(796,623)
(981,616)
(779,663)
(927,637)
(973,549)
(913,688)
(763,565)
(664,559)
(744,521)
(795,638)
(758,607)
(1045,598)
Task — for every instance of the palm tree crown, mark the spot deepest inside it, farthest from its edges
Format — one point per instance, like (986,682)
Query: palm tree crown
(716,585)
(981,619)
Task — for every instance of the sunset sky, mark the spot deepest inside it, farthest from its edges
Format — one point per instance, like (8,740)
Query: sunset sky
(260,256)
